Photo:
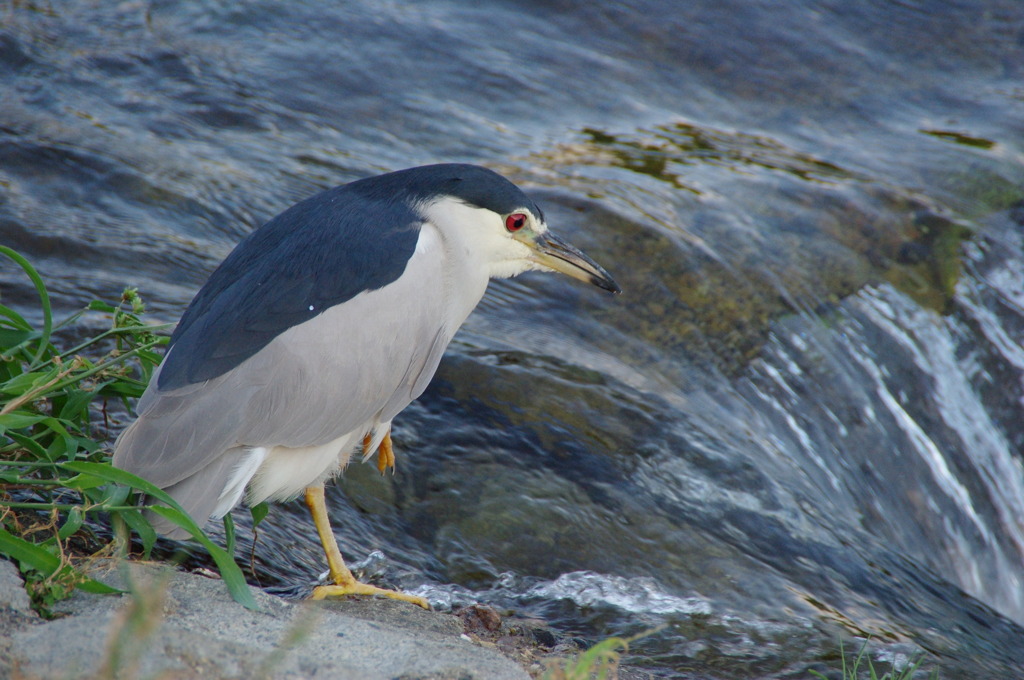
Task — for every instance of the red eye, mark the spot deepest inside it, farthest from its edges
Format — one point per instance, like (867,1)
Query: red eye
(515,221)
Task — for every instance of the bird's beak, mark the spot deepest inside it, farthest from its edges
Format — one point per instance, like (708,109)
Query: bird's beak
(553,253)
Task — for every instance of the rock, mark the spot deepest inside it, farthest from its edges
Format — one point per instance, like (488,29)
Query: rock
(186,626)
(479,618)
(15,611)
(12,590)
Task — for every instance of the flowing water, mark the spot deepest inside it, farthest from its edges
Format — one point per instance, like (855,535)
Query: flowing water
(802,422)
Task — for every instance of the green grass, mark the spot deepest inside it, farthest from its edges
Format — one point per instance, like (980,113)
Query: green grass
(55,473)
(861,668)
(600,662)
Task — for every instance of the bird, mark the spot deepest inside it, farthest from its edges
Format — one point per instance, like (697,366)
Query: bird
(318,329)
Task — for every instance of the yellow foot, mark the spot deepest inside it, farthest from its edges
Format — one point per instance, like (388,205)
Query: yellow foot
(357,588)
(385,452)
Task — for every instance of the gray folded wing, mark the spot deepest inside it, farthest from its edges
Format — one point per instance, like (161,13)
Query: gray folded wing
(342,369)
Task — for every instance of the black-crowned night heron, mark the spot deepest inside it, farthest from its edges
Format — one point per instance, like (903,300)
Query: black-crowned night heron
(318,329)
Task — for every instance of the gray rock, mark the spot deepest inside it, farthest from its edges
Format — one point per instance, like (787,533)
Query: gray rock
(15,612)
(186,626)
(12,590)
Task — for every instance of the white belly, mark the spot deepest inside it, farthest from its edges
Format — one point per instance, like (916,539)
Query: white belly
(280,473)
(285,471)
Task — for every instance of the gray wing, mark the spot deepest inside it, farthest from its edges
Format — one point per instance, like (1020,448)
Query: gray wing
(354,363)
(317,254)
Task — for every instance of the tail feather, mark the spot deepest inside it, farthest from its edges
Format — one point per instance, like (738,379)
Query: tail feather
(200,493)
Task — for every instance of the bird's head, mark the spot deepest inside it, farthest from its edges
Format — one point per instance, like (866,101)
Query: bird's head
(496,223)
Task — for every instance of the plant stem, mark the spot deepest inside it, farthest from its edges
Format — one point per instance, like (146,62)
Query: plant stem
(59,381)
(32,395)
(66,507)
(115,331)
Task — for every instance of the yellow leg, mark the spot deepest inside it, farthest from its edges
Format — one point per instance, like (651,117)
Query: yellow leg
(385,452)
(344,582)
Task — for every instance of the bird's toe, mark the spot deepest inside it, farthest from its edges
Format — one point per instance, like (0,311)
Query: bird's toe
(357,588)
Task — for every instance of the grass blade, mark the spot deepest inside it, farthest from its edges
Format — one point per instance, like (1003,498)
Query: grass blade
(46,563)
(137,523)
(229,571)
(229,533)
(44,300)
(26,552)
